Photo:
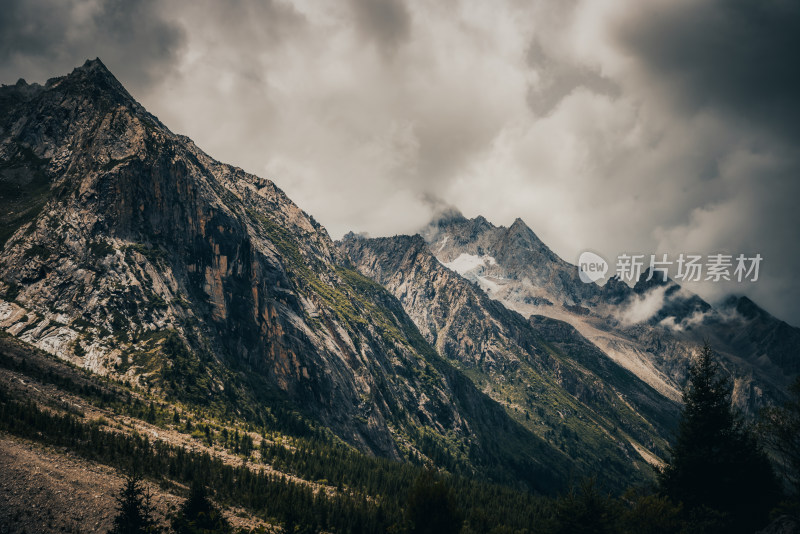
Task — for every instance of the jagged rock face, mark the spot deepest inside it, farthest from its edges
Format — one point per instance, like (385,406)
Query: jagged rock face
(492,255)
(129,251)
(764,338)
(511,265)
(543,371)
(446,309)
(514,267)
(140,239)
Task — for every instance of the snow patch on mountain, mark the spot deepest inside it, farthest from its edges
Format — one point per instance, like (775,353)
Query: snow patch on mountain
(469,262)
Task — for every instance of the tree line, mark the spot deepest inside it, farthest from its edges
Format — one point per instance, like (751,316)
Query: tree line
(718,478)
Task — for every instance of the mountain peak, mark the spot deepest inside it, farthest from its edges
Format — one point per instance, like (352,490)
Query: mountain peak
(647,282)
(519,226)
(521,231)
(745,307)
(95,79)
(481,223)
(447,216)
(91,68)
(95,64)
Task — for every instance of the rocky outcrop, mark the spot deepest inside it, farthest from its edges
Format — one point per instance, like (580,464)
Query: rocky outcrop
(147,260)
(514,254)
(651,329)
(543,371)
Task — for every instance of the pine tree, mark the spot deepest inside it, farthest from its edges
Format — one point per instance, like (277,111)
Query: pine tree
(780,427)
(717,469)
(199,515)
(587,511)
(246,445)
(135,510)
(431,507)
(151,413)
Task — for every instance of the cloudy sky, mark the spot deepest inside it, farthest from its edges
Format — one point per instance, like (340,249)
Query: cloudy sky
(662,126)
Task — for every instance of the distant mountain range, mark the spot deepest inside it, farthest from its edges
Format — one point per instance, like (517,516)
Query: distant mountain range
(651,329)
(128,251)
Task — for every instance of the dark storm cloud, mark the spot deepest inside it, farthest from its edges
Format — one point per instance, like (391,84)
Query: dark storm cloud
(625,126)
(735,60)
(39,38)
(386,22)
(739,56)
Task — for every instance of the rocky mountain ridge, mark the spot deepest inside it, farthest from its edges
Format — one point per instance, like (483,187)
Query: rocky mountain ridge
(147,260)
(542,370)
(128,251)
(651,329)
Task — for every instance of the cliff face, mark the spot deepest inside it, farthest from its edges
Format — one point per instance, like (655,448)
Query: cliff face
(542,371)
(513,266)
(507,262)
(131,252)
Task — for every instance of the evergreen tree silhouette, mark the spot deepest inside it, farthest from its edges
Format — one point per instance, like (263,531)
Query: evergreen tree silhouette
(134,507)
(585,511)
(717,469)
(431,507)
(780,427)
(198,515)
(782,432)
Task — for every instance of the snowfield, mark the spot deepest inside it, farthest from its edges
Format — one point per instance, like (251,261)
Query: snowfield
(469,262)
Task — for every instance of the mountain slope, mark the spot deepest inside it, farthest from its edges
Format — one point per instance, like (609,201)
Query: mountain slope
(652,329)
(543,371)
(145,259)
